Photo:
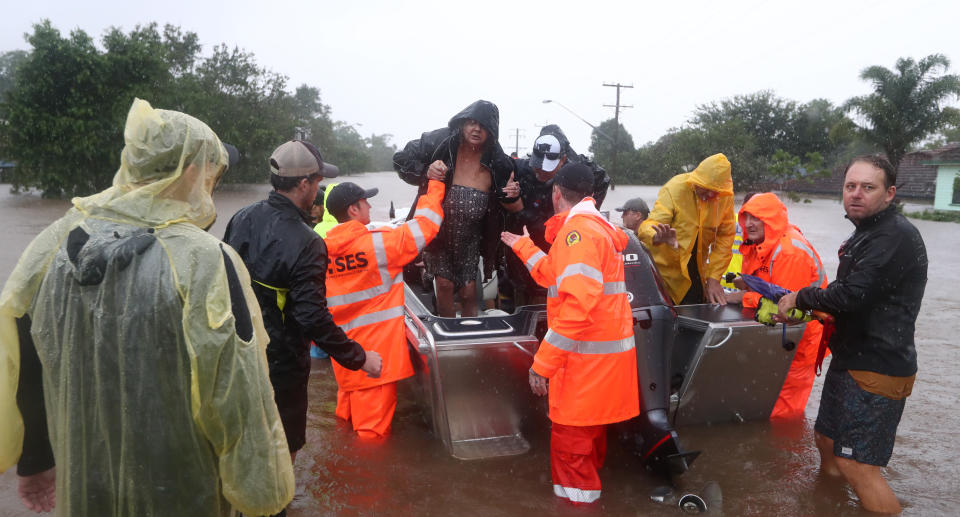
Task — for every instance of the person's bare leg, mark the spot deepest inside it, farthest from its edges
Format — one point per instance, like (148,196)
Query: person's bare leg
(293,457)
(445,298)
(867,481)
(468,297)
(828,462)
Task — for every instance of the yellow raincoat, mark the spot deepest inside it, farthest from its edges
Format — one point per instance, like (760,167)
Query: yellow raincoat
(155,380)
(328,221)
(711,224)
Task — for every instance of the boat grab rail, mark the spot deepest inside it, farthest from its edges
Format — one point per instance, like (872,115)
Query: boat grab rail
(722,341)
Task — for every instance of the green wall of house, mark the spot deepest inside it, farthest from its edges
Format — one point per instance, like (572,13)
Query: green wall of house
(947,195)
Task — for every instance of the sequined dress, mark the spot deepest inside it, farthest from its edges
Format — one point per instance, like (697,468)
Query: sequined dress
(455,254)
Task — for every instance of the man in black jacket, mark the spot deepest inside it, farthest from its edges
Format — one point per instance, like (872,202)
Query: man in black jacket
(551,151)
(875,301)
(287,261)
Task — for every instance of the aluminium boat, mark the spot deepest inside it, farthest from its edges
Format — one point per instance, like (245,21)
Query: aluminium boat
(697,365)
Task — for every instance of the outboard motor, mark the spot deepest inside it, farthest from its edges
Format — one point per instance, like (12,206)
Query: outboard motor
(650,435)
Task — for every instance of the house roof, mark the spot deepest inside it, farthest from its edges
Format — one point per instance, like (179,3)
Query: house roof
(949,153)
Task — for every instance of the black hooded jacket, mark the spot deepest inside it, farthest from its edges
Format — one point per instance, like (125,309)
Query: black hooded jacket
(876,296)
(536,195)
(281,251)
(442,144)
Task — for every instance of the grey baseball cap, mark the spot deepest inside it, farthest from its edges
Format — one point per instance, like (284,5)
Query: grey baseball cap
(636,205)
(300,158)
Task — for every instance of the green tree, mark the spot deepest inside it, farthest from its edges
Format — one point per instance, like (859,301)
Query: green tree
(61,119)
(350,150)
(66,108)
(613,149)
(785,167)
(380,152)
(907,103)
(55,116)
(245,104)
(681,150)
(757,132)
(766,117)
(9,62)
(312,118)
(820,127)
(949,134)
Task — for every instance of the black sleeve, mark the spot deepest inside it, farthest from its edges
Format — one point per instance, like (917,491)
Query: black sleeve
(238,303)
(525,175)
(601,182)
(503,168)
(227,232)
(37,454)
(412,161)
(308,296)
(871,275)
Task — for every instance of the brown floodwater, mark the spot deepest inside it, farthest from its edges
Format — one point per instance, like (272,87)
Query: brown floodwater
(761,468)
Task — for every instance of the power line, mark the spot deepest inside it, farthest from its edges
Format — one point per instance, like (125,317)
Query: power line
(516,136)
(616,119)
(617,107)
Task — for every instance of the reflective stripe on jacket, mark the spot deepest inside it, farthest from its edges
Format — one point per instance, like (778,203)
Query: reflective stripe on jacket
(588,351)
(365,286)
(736,260)
(710,225)
(785,258)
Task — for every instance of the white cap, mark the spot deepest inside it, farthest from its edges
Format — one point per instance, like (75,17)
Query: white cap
(547,152)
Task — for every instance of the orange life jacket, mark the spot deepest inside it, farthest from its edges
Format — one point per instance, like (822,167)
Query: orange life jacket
(588,352)
(787,259)
(365,286)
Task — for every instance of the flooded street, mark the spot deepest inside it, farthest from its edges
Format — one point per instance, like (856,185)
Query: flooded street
(762,469)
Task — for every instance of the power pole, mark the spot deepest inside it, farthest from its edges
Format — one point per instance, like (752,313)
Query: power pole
(616,117)
(516,137)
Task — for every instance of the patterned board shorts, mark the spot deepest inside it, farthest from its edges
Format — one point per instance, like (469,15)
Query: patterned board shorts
(862,425)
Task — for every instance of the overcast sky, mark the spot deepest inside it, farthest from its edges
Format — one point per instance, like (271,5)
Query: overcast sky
(406,67)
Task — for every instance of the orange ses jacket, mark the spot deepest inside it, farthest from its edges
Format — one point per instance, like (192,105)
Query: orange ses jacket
(365,287)
(588,352)
(785,258)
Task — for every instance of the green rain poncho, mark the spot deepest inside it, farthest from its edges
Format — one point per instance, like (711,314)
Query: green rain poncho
(155,381)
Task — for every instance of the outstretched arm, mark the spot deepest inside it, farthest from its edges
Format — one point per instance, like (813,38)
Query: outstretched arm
(661,216)
(538,263)
(405,242)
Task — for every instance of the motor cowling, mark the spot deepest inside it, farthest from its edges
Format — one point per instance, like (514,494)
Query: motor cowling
(650,435)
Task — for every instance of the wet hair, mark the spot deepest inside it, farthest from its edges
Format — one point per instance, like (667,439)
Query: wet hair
(487,144)
(321,193)
(878,161)
(288,183)
(749,195)
(571,196)
(344,216)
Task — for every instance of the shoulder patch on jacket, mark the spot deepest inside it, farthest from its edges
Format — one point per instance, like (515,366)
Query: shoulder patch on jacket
(573,238)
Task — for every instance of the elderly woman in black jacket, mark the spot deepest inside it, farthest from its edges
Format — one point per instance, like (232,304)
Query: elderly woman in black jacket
(468,158)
